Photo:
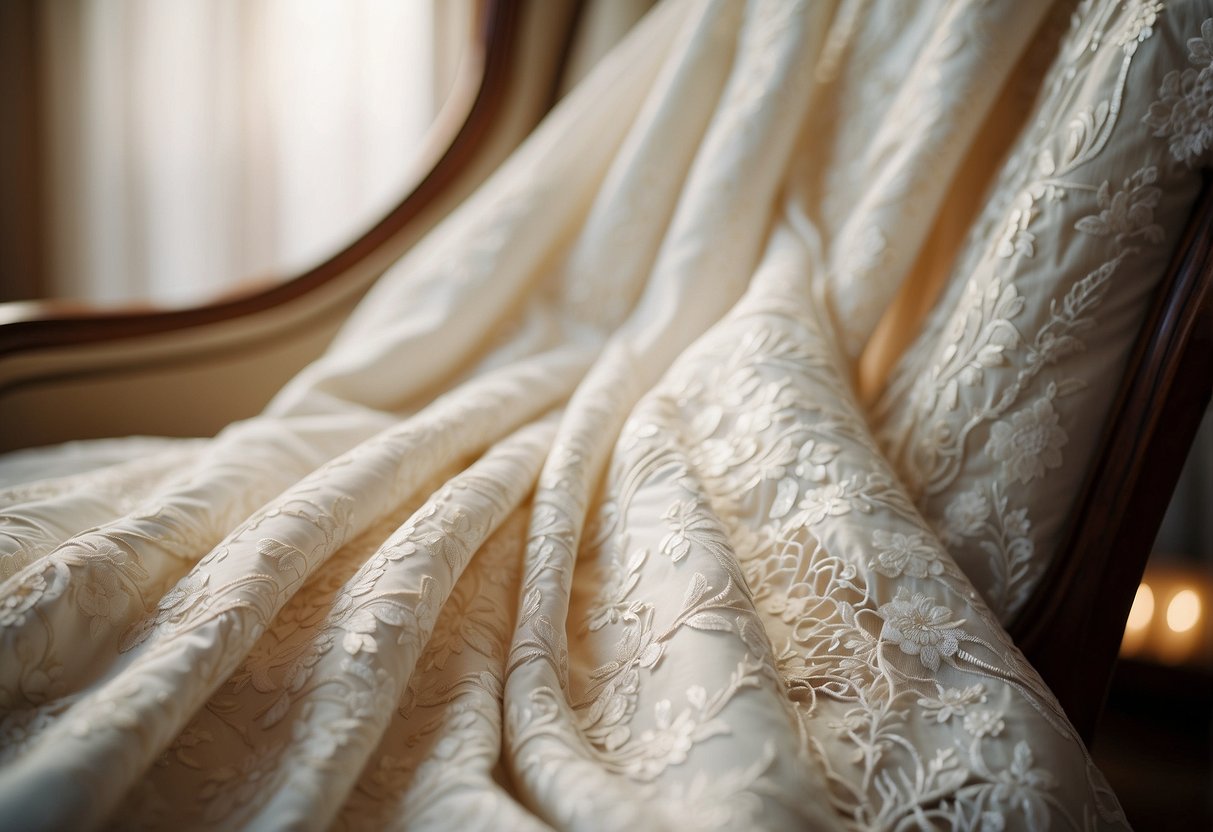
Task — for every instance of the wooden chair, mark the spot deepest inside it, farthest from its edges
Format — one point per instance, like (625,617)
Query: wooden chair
(59,367)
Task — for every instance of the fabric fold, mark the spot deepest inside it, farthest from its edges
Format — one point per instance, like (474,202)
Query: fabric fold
(579,523)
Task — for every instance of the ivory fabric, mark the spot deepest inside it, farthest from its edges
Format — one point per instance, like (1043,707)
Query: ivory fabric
(579,523)
(995,410)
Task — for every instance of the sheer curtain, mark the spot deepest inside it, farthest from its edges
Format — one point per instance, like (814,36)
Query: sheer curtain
(195,143)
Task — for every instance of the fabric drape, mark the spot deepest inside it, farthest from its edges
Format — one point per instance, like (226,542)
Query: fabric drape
(579,523)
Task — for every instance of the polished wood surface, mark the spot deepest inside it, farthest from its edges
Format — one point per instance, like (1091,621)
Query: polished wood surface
(462,125)
(1071,627)
(22,266)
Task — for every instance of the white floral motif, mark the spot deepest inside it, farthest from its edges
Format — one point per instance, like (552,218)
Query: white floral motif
(1016,523)
(920,627)
(910,554)
(176,605)
(1184,112)
(1139,25)
(951,702)
(1129,212)
(1020,787)
(683,517)
(670,741)
(103,600)
(1015,238)
(591,727)
(832,500)
(1029,443)
(984,723)
(965,516)
(466,619)
(23,598)
(618,579)
(812,459)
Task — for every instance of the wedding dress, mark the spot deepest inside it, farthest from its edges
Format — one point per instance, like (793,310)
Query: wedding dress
(581,523)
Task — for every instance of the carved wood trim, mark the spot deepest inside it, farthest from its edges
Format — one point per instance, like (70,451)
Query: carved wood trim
(1072,626)
(461,127)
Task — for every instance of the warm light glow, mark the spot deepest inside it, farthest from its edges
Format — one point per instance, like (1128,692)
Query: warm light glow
(1184,611)
(1143,608)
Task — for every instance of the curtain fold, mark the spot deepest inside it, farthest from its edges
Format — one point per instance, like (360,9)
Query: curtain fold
(579,522)
(198,143)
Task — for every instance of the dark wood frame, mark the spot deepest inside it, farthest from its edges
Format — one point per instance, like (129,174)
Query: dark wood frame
(21,152)
(1072,626)
(461,128)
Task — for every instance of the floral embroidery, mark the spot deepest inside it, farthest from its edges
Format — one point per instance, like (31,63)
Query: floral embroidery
(1021,786)
(1183,113)
(905,553)
(831,500)
(103,600)
(984,723)
(1139,25)
(920,627)
(1129,212)
(674,599)
(620,579)
(965,516)
(1030,443)
(684,518)
(1000,371)
(952,702)
(812,459)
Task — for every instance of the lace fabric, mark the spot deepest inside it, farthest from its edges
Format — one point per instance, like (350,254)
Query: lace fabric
(579,523)
(995,409)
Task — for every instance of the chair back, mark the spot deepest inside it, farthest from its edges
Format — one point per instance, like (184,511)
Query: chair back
(1071,627)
